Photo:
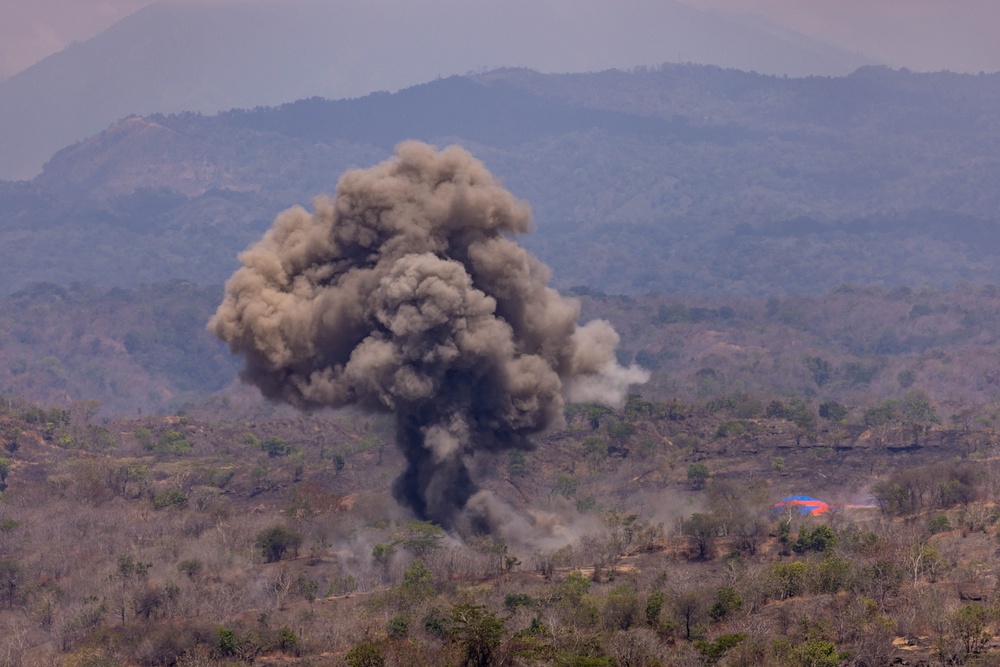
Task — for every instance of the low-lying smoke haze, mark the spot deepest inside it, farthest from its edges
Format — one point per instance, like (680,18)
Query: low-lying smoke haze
(405,293)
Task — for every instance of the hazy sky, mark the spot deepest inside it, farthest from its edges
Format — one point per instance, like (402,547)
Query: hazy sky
(33,29)
(920,34)
(923,35)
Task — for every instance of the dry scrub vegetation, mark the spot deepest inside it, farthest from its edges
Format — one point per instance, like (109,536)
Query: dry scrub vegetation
(198,540)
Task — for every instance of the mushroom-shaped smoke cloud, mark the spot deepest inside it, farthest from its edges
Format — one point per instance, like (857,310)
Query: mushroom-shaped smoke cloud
(404,293)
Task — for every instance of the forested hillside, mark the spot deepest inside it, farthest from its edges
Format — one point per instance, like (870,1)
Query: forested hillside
(130,350)
(681,179)
(147,349)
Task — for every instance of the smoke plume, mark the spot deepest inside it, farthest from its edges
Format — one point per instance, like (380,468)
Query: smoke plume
(405,293)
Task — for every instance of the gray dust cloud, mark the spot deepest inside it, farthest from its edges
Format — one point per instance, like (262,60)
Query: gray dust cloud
(406,294)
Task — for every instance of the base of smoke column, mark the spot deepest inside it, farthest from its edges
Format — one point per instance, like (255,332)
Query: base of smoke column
(486,513)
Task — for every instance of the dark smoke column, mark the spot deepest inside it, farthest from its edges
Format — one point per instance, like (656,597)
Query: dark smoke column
(403,294)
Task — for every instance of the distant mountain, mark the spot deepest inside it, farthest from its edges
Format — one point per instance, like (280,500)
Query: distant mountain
(677,179)
(210,57)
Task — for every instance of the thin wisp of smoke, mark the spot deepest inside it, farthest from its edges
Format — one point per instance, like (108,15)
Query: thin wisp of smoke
(404,293)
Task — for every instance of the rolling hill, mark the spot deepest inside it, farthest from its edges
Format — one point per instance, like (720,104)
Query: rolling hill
(172,57)
(676,179)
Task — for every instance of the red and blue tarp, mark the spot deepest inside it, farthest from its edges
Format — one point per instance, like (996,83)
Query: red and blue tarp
(804,504)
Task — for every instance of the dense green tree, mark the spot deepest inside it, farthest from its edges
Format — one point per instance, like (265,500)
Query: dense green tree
(172,442)
(276,541)
(821,539)
(674,313)
(382,554)
(697,474)
(225,644)
(969,624)
(620,431)
(478,632)
(690,606)
(818,653)
(883,414)
(566,485)
(190,567)
(175,498)
(288,640)
(831,575)
(703,528)
(832,410)
(11,578)
(654,607)
(789,578)
(418,582)
(713,651)
(802,415)
(399,627)
(365,654)
(860,374)
(514,600)
(740,404)
(731,429)
(573,588)
(915,408)
(621,608)
(727,601)
(595,448)
(516,464)
(420,537)
(274,446)
(820,369)
(130,576)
